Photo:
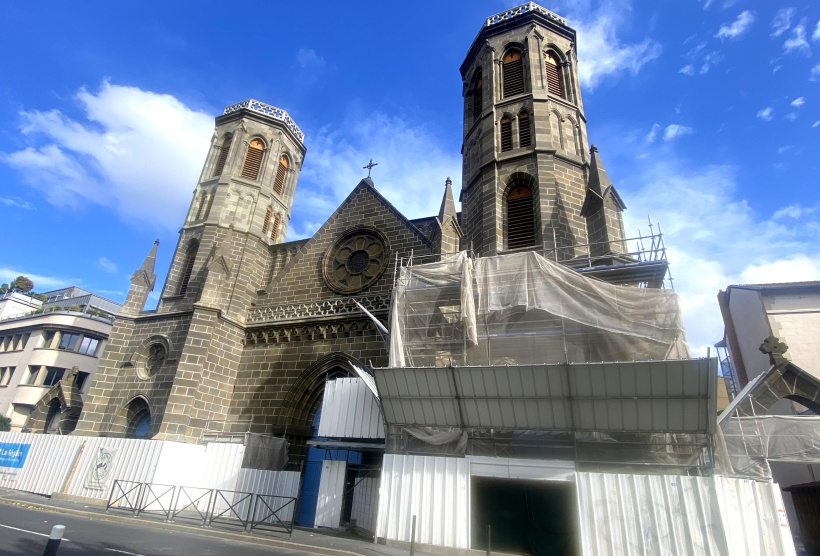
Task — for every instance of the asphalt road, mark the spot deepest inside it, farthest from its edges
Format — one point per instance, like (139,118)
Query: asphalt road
(25,532)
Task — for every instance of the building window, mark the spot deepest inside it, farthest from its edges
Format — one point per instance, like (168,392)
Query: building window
(281,172)
(520,217)
(80,379)
(139,420)
(266,223)
(68,341)
(478,97)
(88,346)
(253,160)
(554,84)
(15,342)
(210,203)
(513,73)
(524,129)
(5,375)
(48,338)
(223,156)
(202,199)
(53,376)
(188,268)
(506,133)
(31,376)
(274,231)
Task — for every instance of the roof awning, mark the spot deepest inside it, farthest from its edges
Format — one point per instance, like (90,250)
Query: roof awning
(672,396)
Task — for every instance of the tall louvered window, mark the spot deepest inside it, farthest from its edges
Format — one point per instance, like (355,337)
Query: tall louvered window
(253,160)
(210,203)
(520,218)
(274,231)
(281,173)
(266,223)
(190,259)
(478,97)
(223,156)
(524,129)
(506,133)
(554,84)
(513,74)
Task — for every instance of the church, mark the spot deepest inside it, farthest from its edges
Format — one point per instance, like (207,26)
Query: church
(249,327)
(512,376)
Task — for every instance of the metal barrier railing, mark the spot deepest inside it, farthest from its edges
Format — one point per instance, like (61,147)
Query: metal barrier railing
(171,501)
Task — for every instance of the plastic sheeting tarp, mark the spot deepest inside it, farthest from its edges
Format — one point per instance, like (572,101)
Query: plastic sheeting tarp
(266,453)
(523,308)
(753,441)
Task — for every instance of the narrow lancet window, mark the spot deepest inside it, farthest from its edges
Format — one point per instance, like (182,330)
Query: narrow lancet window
(223,156)
(555,85)
(281,173)
(253,160)
(524,129)
(513,73)
(187,270)
(506,133)
(520,218)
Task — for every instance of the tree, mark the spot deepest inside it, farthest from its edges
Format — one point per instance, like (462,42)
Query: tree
(5,424)
(22,284)
(4,288)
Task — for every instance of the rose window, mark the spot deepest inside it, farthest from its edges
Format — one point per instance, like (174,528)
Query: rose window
(356,260)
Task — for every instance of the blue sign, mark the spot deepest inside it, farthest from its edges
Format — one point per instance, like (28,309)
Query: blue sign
(13,454)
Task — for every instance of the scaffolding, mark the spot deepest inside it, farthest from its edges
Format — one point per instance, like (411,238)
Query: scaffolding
(523,308)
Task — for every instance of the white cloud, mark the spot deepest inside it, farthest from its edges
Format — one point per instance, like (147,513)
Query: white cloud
(797,41)
(653,133)
(796,268)
(16,202)
(673,131)
(791,116)
(308,58)
(714,238)
(600,52)
(106,265)
(135,147)
(709,61)
(816,35)
(738,27)
(798,102)
(688,69)
(815,124)
(784,148)
(793,211)
(814,74)
(41,282)
(782,21)
(766,114)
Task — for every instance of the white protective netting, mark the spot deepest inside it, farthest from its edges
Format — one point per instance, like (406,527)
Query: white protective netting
(525,309)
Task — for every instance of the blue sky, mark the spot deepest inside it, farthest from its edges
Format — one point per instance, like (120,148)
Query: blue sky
(706,114)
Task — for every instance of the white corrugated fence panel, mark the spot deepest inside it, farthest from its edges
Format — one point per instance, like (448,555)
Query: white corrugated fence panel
(274,483)
(435,490)
(222,465)
(48,463)
(754,518)
(134,460)
(331,490)
(671,514)
(350,410)
(365,507)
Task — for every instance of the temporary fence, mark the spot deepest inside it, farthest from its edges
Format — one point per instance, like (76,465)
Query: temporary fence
(248,509)
(101,468)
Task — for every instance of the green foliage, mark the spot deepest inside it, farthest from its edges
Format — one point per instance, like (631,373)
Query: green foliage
(94,312)
(5,424)
(22,284)
(41,296)
(4,288)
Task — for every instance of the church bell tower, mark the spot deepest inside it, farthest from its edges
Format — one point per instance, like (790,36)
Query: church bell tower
(240,207)
(526,166)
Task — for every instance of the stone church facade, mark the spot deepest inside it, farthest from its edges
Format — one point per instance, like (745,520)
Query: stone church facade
(249,327)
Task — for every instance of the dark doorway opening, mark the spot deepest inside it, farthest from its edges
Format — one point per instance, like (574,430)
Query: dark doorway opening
(525,517)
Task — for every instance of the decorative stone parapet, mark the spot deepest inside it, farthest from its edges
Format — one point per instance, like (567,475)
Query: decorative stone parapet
(268,110)
(520,10)
(312,309)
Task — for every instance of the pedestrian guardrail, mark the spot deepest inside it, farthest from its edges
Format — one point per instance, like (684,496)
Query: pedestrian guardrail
(206,505)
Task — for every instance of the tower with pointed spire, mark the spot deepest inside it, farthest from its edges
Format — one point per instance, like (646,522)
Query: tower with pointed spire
(525,169)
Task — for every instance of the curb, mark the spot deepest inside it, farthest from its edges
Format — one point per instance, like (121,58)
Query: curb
(183,528)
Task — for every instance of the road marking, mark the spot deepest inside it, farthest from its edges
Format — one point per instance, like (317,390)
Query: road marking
(123,552)
(27,531)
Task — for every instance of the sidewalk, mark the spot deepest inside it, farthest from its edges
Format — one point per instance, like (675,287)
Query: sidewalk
(318,541)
